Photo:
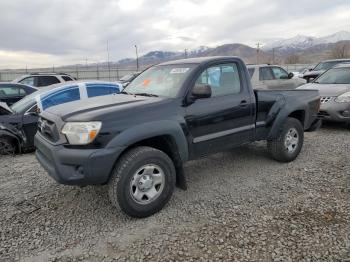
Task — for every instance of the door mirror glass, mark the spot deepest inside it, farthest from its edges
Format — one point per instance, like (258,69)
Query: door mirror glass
(290,75)
(201,91)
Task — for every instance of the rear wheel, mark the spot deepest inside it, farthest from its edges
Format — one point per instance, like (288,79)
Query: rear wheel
(143,181)
(7,146)
(287,146)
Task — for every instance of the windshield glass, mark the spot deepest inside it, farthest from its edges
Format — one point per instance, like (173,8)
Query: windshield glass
(335,76)
(325,65)
(162,80)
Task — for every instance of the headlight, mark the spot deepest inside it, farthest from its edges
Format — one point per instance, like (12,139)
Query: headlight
(81,133)
(344,98)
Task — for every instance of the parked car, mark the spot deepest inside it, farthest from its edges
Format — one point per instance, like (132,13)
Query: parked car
(334,88)
(43,79)
(125,80)
(11,93)
(181,110)
(322,67)
(272,77)
(18,123)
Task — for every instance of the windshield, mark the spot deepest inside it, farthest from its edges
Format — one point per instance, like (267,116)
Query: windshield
(162,80)
(335,76)
(325,65)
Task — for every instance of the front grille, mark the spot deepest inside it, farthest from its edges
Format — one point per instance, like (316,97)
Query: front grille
(48,129)
(325,99)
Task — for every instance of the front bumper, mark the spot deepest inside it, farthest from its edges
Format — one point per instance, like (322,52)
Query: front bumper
(333,111)
(76,166)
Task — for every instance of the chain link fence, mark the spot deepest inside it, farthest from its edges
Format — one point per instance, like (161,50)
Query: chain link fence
(111,74)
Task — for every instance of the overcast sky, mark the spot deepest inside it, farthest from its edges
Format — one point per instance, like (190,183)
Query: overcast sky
(57,32)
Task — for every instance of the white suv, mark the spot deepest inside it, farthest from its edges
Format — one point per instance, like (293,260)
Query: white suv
(43,79)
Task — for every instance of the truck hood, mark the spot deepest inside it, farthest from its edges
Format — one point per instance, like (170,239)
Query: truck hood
(92,108)
(328,89)
(5,109)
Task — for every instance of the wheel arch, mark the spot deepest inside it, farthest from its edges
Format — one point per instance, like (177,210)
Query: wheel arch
(165,136)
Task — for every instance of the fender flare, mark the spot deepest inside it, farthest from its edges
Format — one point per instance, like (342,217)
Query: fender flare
(278,115)
(152,129)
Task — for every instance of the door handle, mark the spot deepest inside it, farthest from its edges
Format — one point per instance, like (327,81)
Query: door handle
(243,103)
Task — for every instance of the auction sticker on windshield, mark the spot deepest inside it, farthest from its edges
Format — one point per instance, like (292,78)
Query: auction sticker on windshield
(179,70)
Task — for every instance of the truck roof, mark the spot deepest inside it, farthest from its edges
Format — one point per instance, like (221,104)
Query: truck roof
(197,60)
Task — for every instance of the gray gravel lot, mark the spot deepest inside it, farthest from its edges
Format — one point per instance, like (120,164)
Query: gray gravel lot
(240,205)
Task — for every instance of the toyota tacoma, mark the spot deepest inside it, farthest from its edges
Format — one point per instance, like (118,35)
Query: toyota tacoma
(136,142)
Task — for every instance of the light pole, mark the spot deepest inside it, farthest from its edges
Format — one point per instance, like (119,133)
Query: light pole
(109,68)
(137,59)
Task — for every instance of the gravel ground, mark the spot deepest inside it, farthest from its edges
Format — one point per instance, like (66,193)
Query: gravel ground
(240,205)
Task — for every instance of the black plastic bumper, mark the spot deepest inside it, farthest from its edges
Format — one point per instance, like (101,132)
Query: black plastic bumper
(76,166)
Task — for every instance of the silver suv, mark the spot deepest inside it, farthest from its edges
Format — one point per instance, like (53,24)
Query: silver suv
(272,77)
(43,79)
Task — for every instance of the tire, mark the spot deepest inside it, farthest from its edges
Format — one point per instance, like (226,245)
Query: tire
(315,126)
(7,146)
(142,182)
(287,146)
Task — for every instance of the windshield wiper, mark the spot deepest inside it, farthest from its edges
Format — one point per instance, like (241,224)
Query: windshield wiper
(124,92)
(146,94)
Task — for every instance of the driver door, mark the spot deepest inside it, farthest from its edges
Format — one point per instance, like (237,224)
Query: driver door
(225,119)
(282,79)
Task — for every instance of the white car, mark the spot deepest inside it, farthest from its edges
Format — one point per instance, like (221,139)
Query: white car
(272,77)
(43,79)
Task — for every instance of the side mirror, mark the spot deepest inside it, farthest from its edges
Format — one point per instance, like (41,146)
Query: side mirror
(290,75)
(201,91)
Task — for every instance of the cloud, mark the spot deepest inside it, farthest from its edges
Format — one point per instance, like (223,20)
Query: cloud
(41,32)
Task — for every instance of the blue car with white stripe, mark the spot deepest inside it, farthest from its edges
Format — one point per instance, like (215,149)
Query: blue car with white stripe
(18,123)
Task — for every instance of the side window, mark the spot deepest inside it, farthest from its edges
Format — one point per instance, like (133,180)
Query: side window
(251,72)
(61,97)
(279,73)
(101,90)
(223,79)
(67,78)
(28,81)
(265,73)
(47,80)
(22,92)
(9,91)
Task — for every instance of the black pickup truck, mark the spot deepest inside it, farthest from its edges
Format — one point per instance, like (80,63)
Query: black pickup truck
(137,141)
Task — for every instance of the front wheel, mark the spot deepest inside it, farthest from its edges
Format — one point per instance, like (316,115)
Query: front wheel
(288,143)
(7,146)
(143,181)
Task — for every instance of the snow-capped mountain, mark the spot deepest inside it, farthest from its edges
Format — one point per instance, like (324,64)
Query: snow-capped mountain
(302,42)
(334,38)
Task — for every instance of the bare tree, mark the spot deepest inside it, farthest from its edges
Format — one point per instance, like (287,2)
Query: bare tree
(341,50)
(292,59)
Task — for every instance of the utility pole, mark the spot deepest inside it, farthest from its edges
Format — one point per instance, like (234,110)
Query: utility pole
(186,53)
(258,45)
(86,62)
(137,58)
(109,68)
(273,55)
